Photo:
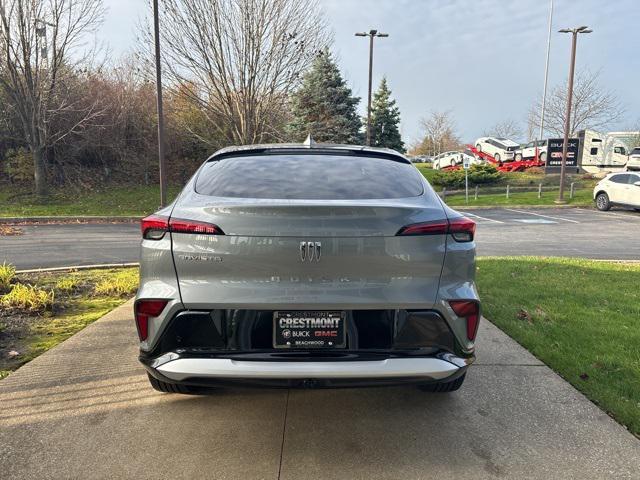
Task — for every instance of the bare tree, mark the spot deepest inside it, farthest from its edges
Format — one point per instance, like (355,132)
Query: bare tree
(38,39)
(439,134)
(508,128)
(593,107)
(239,59)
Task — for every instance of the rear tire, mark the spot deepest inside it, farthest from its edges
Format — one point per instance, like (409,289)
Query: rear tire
(444,387)
(602,202)
(497,157)
(542,157)
(479,147)
(167,387)
(518,157)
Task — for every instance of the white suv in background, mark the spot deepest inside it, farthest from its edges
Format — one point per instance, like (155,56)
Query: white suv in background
(529,151)
(618,189)
(501,149)
(634,159)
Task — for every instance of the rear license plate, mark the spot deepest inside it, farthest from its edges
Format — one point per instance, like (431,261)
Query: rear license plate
(307,329)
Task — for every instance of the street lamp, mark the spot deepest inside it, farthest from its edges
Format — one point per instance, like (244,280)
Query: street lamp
(162,165)
(546,75)
(371,35)
(567,120)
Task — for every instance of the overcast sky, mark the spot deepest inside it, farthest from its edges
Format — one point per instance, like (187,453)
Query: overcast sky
(481,59)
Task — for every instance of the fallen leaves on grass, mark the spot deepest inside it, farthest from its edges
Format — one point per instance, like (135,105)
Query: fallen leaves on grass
(523,315)
(584,376)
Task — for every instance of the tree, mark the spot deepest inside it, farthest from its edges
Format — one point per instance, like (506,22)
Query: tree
(324,106)
(385,120)
(439,134)
(592,107)
(238,60)
(39,41)
(508,128)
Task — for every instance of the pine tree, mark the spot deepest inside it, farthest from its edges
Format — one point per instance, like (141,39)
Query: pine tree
(324,106)
(385,120)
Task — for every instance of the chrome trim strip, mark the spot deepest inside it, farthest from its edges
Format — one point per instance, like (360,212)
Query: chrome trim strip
(183,368)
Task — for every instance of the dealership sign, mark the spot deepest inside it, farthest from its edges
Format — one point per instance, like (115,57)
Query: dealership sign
(554,153)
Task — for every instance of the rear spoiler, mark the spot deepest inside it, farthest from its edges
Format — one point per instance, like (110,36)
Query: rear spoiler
(318,149)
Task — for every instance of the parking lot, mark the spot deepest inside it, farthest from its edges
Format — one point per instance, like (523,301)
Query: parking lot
(569,232)
(85,410)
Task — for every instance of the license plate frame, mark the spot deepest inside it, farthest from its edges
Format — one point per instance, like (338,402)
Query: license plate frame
(309,329)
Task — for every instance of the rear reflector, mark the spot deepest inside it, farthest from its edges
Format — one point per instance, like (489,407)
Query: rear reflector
(145,309)
(461,229)
(155,226)
(469,309)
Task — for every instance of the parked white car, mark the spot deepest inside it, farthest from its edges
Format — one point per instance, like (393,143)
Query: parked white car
(618,189)
(502,149)
(634,159)
(451,159)
(528,151)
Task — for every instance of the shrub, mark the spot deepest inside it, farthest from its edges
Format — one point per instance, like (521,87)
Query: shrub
(479,174)
(27,297)
(7,274)
(67,284)
(123,283)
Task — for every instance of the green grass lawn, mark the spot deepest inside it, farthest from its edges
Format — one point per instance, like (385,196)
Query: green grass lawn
(79,298)
(580,317)
(134,201)
(582,197)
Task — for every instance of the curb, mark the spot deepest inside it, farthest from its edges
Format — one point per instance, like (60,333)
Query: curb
(70,219)
(100,266)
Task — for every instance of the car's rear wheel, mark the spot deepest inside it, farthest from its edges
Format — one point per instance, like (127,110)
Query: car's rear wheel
(479,147)
(518,157)
(453,162)
(602,202)
(444,387)
(542,157)
(167,387)
(497,157)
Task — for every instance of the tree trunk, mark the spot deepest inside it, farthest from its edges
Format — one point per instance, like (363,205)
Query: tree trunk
(39,171)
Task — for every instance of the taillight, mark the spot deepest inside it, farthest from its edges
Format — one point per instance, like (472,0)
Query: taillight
(179,225)
(155,226)
(470,310)
(461,229)
(438,227)
(145,309)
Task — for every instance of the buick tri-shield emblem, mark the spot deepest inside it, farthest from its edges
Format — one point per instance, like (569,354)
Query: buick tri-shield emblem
(310,251)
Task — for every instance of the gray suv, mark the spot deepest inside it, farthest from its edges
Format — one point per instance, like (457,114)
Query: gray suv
(296,265)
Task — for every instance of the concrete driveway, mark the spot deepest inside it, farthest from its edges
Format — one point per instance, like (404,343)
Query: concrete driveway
(85,410)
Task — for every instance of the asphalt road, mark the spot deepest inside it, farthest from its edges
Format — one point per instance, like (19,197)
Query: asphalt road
(85,410)
(569,232)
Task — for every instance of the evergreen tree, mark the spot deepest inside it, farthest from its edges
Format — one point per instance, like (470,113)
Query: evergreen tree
(385,120)
(324,106)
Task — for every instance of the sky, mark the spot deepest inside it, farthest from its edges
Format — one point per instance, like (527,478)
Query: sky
(481,59)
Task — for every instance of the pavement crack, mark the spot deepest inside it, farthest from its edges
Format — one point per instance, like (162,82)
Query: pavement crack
(284,431)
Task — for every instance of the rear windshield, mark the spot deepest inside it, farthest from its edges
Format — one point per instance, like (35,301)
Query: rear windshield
(309,177)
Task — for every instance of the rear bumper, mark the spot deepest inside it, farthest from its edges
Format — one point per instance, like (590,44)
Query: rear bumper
(307,371)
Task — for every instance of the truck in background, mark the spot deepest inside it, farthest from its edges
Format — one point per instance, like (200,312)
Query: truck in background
(605,152)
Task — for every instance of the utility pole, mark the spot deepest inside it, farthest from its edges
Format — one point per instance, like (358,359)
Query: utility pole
(372,33)
(567,120)
(546,75)
(162,165)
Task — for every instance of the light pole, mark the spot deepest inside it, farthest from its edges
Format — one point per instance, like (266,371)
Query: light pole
(371,35)
(162,165)
(567,120)
(546,74)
